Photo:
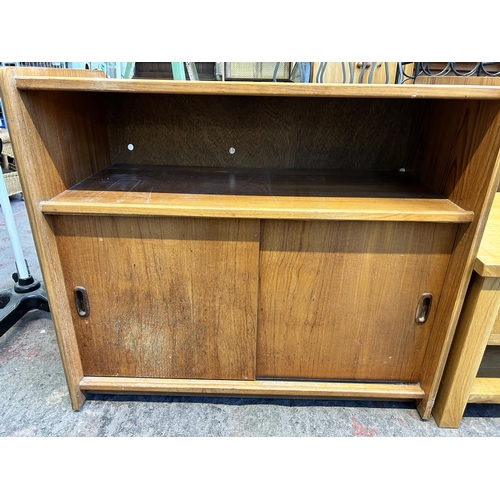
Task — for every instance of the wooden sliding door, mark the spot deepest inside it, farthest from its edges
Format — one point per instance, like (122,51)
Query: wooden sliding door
(338,300)
(166,297)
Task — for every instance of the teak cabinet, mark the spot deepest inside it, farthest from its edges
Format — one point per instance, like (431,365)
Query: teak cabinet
(297,240)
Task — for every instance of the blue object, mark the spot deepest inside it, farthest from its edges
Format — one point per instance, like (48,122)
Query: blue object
(178,70)
(306,71)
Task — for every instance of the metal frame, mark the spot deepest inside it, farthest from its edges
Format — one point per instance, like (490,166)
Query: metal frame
(27,293)
(423,68)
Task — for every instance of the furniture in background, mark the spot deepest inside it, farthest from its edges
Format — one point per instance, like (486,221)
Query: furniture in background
(257,71)
(27,293)
(354,72)
(424,70)
(9,172)
(459,80)
(256,239)
(164,70)
(472,373)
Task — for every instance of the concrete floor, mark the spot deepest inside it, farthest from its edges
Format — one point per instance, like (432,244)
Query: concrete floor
(34,399)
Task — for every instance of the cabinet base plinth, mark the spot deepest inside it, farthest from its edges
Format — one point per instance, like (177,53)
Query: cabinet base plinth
(263,388)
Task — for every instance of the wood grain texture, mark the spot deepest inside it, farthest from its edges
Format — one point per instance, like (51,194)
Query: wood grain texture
(494,338)
(496,326)
(328,292)
(270,132)
(240,388)
(168,297)
(457,156)
(257,88)
(457,148)
(49,133)
(467,350)
(255,193)
(488,257)
(71,132)
(485,390)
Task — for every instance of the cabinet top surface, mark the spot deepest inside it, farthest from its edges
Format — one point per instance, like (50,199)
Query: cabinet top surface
(66,83)
(488,257)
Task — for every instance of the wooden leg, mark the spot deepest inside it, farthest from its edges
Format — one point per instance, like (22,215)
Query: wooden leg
(474,327)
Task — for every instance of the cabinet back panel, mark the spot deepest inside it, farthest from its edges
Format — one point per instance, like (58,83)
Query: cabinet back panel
(273,132)
(174,298)
(338,299)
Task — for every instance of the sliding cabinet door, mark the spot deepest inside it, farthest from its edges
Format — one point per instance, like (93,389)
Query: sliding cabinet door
(162,297)
(339,300)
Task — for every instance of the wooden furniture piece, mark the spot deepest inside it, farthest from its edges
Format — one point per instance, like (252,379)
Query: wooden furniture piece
(471,374)
(10,176)
(255,239)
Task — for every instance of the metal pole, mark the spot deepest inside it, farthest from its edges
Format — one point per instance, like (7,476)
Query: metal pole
(22,268)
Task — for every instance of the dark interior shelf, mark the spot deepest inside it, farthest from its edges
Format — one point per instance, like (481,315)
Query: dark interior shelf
(255,193)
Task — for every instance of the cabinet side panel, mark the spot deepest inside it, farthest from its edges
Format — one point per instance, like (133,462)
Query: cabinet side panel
(70,132)
(272,132)
(49,135)
(338,299)
(457,149)
(458,157)
(168,297)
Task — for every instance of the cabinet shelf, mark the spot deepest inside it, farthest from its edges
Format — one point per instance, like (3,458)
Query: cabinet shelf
(255,193)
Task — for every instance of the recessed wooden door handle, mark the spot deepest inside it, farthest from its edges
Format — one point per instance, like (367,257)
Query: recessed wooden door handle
(82,301)
(423,307)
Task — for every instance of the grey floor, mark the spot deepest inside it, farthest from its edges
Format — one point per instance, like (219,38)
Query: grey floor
(34,399)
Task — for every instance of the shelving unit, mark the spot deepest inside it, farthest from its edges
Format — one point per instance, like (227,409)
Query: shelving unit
(472,372)
(240,238)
